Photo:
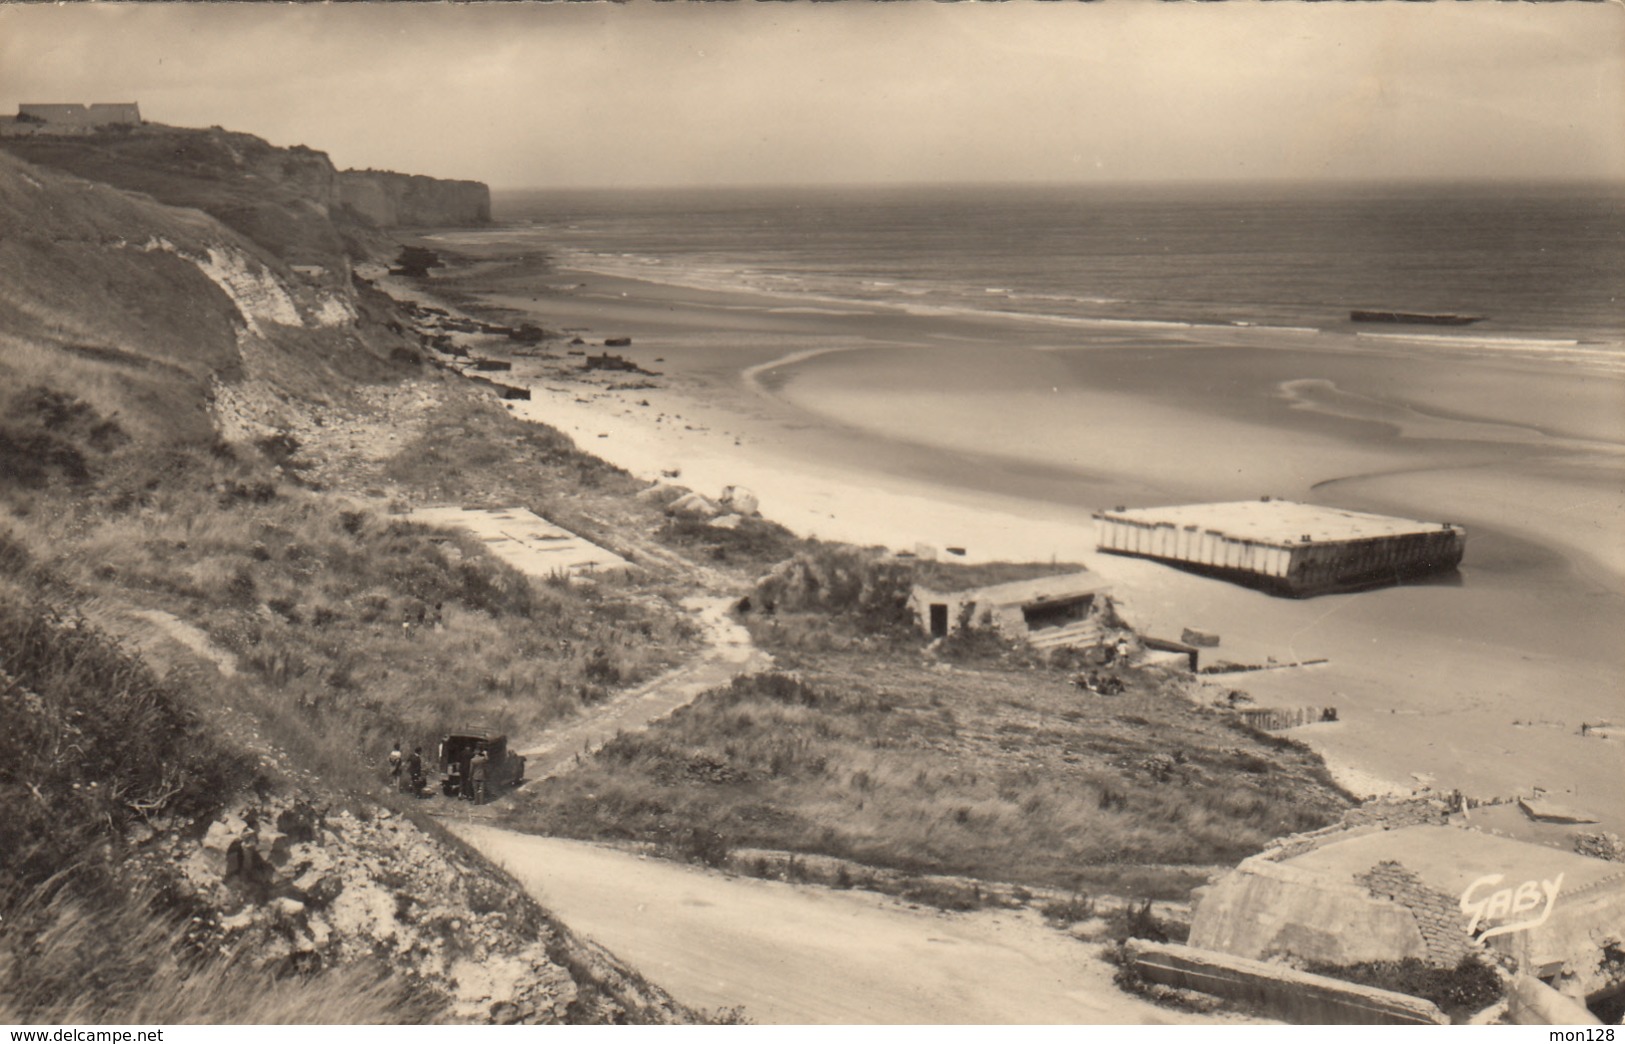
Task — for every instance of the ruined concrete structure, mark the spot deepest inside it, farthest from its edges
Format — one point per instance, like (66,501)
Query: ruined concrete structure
(1282,546)
(1047,612)
(1286,993)
(1432,892)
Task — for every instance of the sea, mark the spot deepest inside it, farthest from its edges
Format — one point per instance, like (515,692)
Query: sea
(1527,451)
(1540,263)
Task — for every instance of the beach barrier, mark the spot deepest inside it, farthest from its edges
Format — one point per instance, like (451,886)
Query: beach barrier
(1275,719)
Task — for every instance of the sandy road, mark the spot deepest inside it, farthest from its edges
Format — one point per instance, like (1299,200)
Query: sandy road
(795,954)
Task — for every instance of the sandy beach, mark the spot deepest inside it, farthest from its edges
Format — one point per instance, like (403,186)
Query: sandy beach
(877,426)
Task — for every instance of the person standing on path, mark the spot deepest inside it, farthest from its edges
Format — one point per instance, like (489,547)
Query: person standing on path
(395,765)
(414,767)
(477,769)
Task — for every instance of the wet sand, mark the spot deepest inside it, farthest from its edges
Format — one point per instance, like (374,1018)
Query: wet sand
(878,426)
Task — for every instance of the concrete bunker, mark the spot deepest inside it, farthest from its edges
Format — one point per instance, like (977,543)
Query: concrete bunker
(1047,611)
(1431,892)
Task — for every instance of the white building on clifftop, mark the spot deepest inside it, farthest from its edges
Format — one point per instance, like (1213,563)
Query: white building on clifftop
(75,114)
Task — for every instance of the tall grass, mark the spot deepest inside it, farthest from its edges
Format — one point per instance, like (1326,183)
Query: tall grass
(1000,775)
(81,950)
(354,630)
(93,741)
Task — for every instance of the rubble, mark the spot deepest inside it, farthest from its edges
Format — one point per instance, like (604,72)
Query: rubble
(1600,845)
(739,501)
(693,505)
(340,888)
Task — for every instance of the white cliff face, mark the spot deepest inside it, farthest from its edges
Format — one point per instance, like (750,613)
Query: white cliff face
(252,288)
(333,310)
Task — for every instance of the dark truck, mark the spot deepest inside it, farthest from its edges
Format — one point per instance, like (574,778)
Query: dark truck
(457,748)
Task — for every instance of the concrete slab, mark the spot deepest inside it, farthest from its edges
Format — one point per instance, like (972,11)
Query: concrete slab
(1552,812)
(1286,993)
(1449,858)
(1282,523)
(527,541)
(1510,821)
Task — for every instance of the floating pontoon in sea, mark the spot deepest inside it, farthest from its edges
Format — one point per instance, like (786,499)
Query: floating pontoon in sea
(1282,546)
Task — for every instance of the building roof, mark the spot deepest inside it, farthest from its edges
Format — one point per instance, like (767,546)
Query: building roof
(1279,522)
(476,732)
(1027,592)
(948,576)
(1451,858)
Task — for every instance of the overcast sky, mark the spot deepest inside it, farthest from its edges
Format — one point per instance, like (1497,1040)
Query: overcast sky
(543,95)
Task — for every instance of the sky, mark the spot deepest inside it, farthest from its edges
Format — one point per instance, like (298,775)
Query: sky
(596,94)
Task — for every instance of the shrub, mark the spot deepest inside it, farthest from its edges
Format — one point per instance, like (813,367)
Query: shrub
(705,846)
(47,434)
(868,586)
(1076,907)
(1469,987)
(1138,921)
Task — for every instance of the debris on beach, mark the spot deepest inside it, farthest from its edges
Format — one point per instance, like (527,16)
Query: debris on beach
(739,500)
(1226,667)
(693,505)
(608,361)
(735,501)
(1545,811)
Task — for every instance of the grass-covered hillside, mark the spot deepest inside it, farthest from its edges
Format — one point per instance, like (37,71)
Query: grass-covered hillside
(973,769)
(283,199)
(210,634)
(95,748)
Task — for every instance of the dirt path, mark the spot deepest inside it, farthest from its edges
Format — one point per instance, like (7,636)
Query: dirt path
(792,954)
(728,652)
(167,625)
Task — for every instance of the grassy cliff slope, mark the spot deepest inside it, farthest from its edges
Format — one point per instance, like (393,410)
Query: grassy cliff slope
(202,655)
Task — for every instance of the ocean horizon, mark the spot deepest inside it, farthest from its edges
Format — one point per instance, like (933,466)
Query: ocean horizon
(982,369)
(1538,262)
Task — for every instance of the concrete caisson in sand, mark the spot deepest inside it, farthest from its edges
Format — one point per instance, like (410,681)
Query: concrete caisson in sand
(1284,547)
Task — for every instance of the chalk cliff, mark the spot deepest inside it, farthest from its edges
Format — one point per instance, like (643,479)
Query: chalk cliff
(389,200)
(291,201)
